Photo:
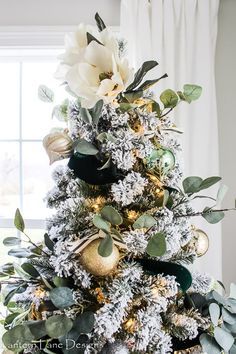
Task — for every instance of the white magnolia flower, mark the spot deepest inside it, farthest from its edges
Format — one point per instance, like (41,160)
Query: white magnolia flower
(94,71)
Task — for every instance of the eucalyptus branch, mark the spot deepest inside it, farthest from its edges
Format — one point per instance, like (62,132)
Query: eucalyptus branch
(35,245)
(201,213)
(165,114)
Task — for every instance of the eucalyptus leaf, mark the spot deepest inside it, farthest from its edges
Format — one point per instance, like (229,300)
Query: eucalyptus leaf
(20,271)
(181,95)
(192,184)
(9,319)
(86,116)
(233,349)
(111,215)
(192,92)
(86,148)
(105,247)
(232,304)
(60,112)
(45,94)
(169,98)
(156,245)
(48,242)
(37,328)
(220,299)
(210,181)
(19,221)
(84,323)
(214,310)
(58,325)
(156,108)
(228,317)
(11,241)
(221,193)
(142,71)
(144,221)
(61,281)
(209,344)
(6,269)
(11,289)
(96,111)
(100,24)
(133,96)
(223,338)
(125,107)
(62,297)
(213,217)
(100,223)
(17,337)
(30,269)
(166,196)
(19,252)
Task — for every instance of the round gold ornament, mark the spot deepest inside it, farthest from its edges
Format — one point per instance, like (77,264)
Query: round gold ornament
(96,264)
(201,242)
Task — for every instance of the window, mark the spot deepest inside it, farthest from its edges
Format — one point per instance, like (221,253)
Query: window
(25,175)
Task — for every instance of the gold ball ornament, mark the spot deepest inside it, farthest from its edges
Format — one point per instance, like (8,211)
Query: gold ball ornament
(201,242)
(96,264)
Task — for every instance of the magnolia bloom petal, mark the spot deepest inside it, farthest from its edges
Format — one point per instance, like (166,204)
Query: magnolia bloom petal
(89,74)
(94,71)
(99,56)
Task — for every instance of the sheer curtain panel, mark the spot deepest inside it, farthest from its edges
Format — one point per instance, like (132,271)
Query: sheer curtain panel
(181,36)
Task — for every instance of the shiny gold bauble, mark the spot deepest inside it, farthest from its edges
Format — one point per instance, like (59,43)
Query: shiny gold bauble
(201,242)
(96,264)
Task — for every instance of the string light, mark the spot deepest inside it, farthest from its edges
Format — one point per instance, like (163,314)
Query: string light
(98,203)
(132,215)
(40,293)
(130,325)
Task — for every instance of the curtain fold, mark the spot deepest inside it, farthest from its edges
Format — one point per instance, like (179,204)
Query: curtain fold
(181,36)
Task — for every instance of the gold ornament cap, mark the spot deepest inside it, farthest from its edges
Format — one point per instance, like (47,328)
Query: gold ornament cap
(96,264)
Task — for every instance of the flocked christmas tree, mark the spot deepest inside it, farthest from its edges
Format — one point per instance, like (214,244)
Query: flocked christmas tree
(110,276)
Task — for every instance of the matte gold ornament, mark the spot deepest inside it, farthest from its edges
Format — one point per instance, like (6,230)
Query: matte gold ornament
(201,242)
(58,145)
(96,264)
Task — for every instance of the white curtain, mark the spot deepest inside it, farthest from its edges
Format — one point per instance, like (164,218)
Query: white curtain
(181,36)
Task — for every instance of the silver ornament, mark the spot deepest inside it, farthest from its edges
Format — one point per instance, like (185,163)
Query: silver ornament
(117,347)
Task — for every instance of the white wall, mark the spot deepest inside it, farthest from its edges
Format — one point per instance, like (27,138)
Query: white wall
(226,95)
(57,12)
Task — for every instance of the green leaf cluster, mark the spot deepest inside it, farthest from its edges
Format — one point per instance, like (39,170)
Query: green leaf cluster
(107,220)
(55,327)
(92,115)
(196,184)
(222,312)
